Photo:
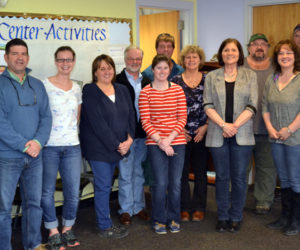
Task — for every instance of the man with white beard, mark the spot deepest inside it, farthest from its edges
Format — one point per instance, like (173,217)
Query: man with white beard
(265,171)
(131,175)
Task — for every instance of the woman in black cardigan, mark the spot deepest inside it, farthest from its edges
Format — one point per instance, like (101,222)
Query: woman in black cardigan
(106,130)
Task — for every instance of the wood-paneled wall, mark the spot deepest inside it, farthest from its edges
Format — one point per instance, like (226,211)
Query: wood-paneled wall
(153,25)
(276,21)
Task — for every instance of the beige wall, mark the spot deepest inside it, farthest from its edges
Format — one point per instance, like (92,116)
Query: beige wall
(98,8)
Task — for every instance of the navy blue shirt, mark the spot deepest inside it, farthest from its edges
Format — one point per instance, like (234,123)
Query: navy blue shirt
(196,116)
(105,124)
(176,70)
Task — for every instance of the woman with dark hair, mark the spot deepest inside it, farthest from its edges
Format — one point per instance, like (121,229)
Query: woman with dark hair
(281,113)
(62,152)
(162,107)
(230,101)
(107,127)
(192,59)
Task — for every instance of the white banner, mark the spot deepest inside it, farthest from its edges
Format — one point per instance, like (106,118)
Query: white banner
(88,38)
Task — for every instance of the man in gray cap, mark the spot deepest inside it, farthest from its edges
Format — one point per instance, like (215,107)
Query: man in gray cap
(265,171)
(296,35)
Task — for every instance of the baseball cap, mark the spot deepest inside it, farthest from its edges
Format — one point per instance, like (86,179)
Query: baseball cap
(258,36)
(297,28)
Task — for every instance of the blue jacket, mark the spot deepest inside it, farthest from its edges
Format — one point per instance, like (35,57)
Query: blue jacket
(176,70)
(104,124)
(24,114)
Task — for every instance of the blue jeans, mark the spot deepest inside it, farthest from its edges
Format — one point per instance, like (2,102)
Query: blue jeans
(230,162)
(131,179)
(66,160)
(103,174)
(28,172)
(287,161)
(166,189)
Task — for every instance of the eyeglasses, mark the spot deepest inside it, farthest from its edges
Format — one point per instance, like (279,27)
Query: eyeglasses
(288,53)
(130,59)
(19,101)
(263,45)
(62,60)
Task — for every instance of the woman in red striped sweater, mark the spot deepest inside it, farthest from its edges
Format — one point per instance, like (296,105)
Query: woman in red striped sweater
(163,113)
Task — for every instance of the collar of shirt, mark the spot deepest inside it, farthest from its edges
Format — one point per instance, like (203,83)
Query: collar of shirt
(15,77)
(131,79)
(137,86)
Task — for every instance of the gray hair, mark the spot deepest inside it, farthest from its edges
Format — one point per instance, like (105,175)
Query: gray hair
(130,47)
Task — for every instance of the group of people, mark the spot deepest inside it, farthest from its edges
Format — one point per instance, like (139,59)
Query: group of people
(171,115)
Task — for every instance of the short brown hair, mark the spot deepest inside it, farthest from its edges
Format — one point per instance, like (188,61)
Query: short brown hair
(64,48)
(293,47)
(166,37)
(161,58)
(192,49)
(238,45)
(97,62)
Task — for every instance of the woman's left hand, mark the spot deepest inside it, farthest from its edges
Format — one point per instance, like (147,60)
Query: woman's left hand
(163,143)
(283,134)
(125,146)
(169,151)
(200,132)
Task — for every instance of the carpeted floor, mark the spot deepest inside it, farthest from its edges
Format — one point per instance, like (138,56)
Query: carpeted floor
(194,235)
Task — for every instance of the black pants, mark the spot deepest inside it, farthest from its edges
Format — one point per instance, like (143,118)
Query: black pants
(196,157)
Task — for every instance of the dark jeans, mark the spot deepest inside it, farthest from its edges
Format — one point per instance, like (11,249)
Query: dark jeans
(231,161)
(196,156)
(287,161)
(167,171)
(103,175)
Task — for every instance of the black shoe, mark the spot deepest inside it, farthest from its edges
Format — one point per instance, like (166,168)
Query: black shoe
(234,226)
(281,223)
(222,226)
(292,229)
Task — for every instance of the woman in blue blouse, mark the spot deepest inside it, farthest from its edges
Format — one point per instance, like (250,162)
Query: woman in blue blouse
(107,127)
(192,81)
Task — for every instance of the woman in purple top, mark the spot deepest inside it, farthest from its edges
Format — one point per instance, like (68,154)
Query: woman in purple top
(192,81)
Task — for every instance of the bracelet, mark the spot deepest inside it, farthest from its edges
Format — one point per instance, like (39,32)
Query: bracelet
(223,125)
(290,131)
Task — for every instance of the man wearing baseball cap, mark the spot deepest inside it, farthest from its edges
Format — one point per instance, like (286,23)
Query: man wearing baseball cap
(265,171)
(296,35)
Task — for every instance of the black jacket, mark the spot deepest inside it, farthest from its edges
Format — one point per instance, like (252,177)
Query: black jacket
(122,79)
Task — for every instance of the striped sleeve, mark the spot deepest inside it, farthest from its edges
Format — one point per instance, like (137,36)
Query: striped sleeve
(181,111)
(144,108)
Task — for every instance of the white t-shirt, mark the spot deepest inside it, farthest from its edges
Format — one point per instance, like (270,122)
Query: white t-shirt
(64,109)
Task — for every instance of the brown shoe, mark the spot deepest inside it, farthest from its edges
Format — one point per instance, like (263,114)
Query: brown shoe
(198,216)
(125,219)
(185,216)
(143,215)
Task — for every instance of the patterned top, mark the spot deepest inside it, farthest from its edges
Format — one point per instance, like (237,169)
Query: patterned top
(196,116)
(163,111)
(64,109)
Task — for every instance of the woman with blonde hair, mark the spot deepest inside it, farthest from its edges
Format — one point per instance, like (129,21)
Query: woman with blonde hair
(192,59)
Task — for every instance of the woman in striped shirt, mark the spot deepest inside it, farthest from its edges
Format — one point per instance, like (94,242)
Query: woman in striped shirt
(163,113)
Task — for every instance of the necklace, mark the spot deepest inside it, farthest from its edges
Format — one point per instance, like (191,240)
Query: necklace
(230,75)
